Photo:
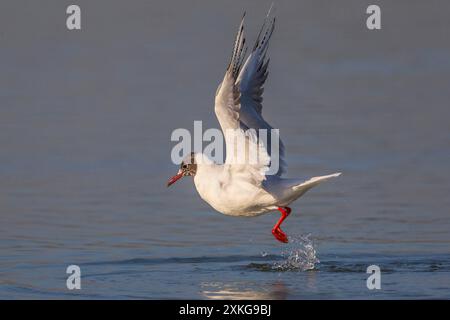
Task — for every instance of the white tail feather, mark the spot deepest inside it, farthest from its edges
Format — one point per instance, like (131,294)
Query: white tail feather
(306,185)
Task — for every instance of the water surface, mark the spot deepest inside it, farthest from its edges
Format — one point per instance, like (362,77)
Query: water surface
(86,119)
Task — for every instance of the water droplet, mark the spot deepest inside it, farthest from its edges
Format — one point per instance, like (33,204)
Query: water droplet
(300,255)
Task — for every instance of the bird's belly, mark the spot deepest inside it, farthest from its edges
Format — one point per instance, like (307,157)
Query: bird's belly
(234,208)
(239,202)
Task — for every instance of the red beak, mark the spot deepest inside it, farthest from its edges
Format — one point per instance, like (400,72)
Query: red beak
(175,178)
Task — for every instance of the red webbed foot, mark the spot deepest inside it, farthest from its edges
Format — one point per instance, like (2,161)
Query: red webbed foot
(280,235)
(276,231)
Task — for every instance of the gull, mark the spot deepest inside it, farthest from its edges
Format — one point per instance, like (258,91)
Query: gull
(239,186)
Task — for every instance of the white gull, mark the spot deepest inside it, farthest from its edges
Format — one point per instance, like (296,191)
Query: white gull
(241,187)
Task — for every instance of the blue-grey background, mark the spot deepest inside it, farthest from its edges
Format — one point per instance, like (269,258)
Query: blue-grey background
(85,124)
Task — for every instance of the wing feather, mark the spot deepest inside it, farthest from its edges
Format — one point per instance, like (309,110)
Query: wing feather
(238,104)
(251,82)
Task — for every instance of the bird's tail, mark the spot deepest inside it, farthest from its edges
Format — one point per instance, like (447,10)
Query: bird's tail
(308,184)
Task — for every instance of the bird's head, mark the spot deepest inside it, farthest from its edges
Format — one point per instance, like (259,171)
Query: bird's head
(188,167)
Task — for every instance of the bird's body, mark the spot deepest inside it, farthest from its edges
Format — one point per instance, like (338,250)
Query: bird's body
(246,186)
(231,194)
(237,195)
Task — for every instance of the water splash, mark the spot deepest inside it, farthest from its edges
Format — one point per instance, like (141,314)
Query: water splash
(299,255)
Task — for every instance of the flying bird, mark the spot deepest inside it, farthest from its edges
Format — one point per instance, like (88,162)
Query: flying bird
(240,187)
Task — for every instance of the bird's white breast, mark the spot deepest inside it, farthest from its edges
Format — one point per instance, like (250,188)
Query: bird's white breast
(231,197)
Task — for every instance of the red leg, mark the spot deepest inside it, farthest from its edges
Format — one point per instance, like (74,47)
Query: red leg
(276,231)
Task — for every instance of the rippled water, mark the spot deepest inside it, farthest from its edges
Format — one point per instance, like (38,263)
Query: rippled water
(86,119)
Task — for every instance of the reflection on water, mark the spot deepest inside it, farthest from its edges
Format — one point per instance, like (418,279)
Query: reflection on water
(245,291)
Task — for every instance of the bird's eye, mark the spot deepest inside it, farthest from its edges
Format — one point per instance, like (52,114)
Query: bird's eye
(184,166)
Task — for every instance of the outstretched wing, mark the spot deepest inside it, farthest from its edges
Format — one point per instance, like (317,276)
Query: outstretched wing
(239,97)
(247,158)
(251,81)
(227,104)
